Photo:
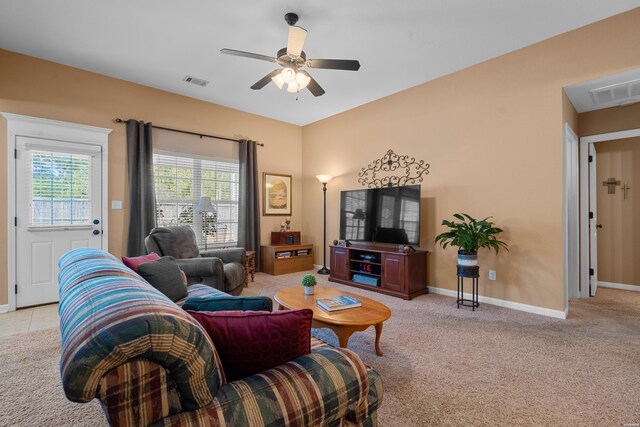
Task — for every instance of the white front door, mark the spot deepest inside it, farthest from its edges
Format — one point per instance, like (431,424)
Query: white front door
(593,223)
(58,208)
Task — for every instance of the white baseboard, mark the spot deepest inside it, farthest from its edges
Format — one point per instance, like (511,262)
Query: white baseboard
(4,308)
(502,303)
(635,288)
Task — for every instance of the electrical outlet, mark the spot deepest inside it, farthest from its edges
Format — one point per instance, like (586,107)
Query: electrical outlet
(492,275)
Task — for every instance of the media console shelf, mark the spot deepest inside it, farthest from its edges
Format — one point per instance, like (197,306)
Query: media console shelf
(380,269)
(283,259)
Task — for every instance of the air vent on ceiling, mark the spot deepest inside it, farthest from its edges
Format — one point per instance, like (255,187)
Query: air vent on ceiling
(617,94)
(196,81)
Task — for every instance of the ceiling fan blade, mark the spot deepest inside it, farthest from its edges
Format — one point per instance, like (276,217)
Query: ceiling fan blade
(334,64)
(265,80)
(313,85)
(297,36)
(248,55)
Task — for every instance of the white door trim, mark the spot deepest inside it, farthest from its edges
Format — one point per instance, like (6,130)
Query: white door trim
(584,198)
(571,219)
(19,125)
(593,221)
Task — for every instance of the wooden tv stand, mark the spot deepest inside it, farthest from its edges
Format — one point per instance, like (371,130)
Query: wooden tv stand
(396,273)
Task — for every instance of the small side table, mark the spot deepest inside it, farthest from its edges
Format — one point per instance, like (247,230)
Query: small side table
(472,273)
(249,267)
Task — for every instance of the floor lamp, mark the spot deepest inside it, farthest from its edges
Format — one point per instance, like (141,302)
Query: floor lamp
(324,179)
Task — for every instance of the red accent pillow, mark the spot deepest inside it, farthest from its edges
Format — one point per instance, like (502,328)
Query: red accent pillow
(249,342)
(134,262)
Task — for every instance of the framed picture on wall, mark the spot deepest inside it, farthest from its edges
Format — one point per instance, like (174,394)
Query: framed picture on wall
(276,193)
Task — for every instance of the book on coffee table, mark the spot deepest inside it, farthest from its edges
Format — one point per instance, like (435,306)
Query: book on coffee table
(340,302)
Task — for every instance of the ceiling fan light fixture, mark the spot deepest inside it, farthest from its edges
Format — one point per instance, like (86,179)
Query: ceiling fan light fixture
(293,87)
(302,80)
(278,80)
(288,75)
(291,58)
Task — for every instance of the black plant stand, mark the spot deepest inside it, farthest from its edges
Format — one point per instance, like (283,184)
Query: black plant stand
(472,273)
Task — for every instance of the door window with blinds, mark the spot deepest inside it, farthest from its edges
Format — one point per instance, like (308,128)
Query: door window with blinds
(182,179)
(59,188)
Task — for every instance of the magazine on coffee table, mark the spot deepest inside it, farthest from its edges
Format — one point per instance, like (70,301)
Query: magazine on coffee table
(340,302)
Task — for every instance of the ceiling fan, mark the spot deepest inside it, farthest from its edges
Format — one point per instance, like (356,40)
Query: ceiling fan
(291,59)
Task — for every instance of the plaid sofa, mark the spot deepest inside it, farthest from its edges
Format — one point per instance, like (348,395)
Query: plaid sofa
(150,363)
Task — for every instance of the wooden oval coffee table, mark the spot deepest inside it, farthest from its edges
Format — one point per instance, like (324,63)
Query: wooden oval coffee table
(342,322)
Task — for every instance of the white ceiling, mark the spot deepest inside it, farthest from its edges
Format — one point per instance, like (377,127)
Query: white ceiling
(399,44)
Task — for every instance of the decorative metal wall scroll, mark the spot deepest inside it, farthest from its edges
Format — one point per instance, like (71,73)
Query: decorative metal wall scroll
(390,162)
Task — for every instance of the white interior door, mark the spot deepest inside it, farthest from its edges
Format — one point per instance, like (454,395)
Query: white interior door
(593,223)
(58,208)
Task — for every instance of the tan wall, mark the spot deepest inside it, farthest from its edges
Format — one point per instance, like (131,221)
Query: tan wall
(493,136)
(612,119)
(619,237)
(569,114)
(44,89)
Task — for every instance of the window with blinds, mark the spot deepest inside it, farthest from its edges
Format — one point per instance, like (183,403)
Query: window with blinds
(60,188)
(410,218)
(352,201)
(182,179)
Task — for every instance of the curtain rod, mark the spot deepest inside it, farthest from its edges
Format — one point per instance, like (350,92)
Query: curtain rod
(201,135)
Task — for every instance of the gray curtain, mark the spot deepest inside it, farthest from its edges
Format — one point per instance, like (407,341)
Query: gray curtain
(142,201)
(249,206)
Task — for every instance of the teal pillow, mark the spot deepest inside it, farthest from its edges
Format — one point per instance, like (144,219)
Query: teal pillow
(228,303)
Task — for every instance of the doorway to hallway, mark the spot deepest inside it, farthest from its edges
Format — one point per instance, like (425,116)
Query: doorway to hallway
(617,182)
(610,230)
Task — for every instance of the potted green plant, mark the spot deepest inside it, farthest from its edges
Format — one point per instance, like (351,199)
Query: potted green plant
(309,281)
(469,235)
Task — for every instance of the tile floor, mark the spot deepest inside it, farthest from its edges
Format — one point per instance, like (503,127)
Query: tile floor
(43,317)
(29,319)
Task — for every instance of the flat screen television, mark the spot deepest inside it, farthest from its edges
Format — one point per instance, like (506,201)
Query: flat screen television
(381,215)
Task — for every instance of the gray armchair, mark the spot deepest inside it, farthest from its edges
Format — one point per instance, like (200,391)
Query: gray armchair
(222,269)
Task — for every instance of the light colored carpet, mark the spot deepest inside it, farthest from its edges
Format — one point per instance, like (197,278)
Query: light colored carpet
(442,366)
(30,389)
